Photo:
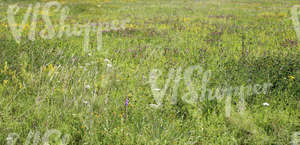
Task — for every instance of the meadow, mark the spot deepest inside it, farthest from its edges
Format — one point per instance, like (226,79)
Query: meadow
(105,96)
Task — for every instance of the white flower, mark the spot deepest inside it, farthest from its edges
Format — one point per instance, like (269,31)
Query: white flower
(266,104)
(155,106)
(106,60)
(87,86)
(85,102)
(109,65)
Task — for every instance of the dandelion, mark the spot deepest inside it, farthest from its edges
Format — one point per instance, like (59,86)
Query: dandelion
(291,77)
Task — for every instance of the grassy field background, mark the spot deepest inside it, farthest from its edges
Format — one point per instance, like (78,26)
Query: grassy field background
(52,84)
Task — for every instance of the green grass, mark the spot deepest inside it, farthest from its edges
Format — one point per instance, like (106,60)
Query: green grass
(44,83)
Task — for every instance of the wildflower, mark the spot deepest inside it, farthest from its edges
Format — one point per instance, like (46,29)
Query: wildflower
(266,14)
(87,86)
(44,68)
(106,60)
(185,19)
(20,85)
(291,77)
(126,102)
(131,26)
(51,68)
(109,65)
(85,102)
(266,104)
(282,15)
(5,67)
(26,26)
(5,82)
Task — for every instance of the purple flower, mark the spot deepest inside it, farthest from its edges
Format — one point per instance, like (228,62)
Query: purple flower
(126,102)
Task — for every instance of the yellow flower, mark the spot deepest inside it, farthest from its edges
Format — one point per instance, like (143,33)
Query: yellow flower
(5,82)
(291,77)
(26,26)
(44,68)
(282,14)
(266,14)
(131,26)
(20,85)
(5,67)
(51,68)
(42,12)
(185,19)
